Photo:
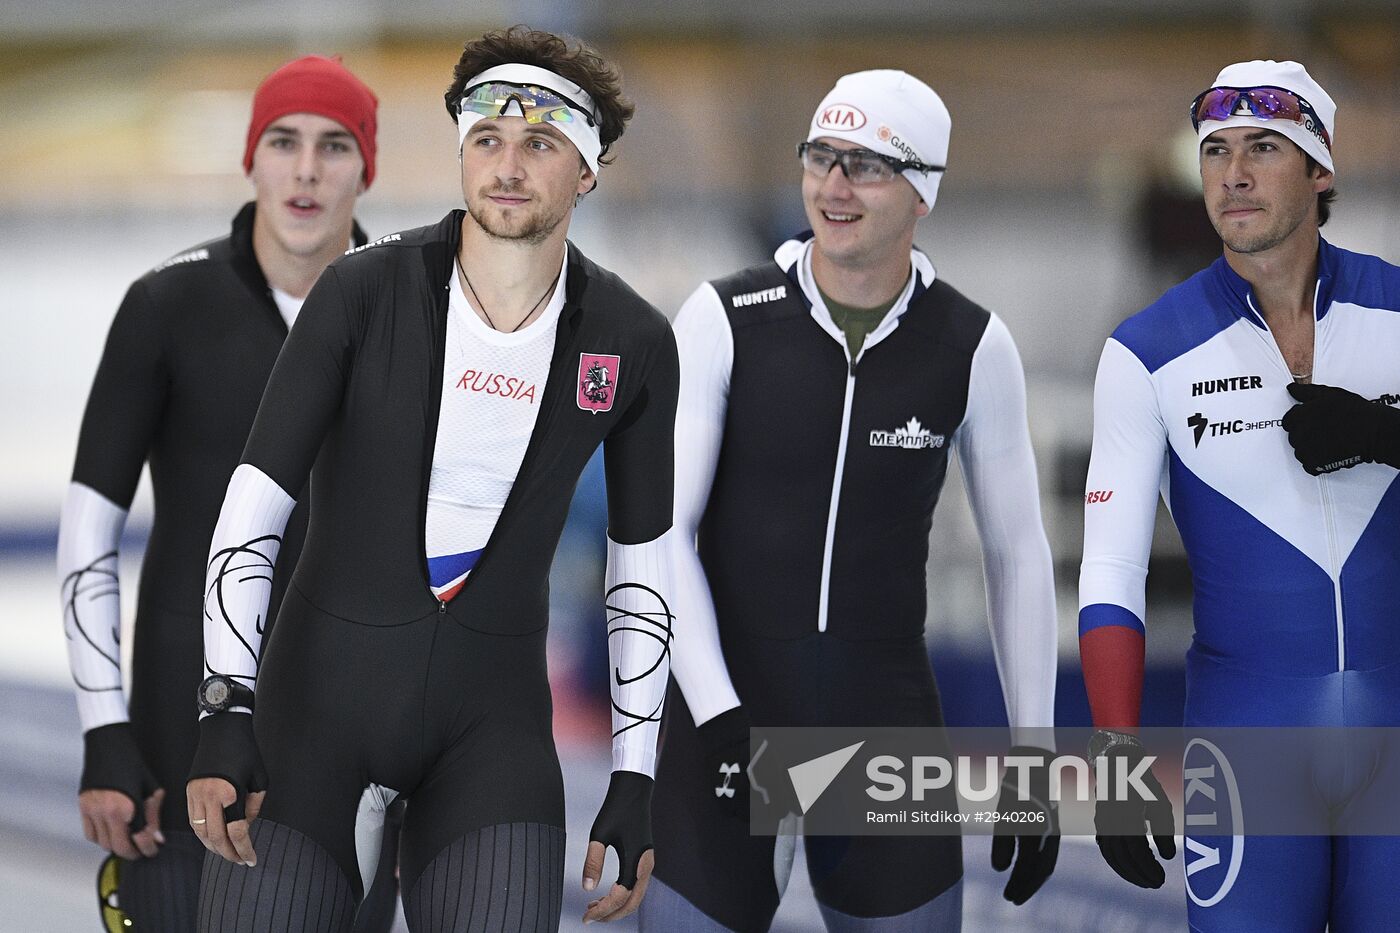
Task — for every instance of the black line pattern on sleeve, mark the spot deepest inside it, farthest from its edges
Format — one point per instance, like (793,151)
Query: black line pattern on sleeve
(251,679)
(92,583)
(655,624)
(245,563)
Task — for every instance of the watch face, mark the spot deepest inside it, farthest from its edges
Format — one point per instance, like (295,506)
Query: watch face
(216,693)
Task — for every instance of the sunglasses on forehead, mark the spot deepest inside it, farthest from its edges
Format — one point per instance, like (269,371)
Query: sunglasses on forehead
(537,104)
(1265,103)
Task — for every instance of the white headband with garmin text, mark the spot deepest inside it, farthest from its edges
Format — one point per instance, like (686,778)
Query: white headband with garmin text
(581,133)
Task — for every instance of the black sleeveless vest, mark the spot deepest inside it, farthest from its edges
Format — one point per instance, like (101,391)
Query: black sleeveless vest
(776,564)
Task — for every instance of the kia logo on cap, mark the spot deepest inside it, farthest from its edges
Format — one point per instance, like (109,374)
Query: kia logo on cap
(841,117)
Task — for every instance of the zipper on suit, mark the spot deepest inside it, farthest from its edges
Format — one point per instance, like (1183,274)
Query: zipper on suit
(1329,525)
(1329,511)
(886,327)
(824,601)
(1335,568)
(435,376)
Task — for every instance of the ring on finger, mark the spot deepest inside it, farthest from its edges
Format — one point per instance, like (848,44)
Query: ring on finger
(198,822)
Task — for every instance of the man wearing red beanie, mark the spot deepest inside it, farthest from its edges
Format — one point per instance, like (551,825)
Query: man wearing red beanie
(184,367)
(324,86)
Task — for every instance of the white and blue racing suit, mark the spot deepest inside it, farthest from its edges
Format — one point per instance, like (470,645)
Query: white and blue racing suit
(1296,577)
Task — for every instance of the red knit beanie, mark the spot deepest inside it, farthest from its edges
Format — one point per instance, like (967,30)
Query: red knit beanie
(323,86)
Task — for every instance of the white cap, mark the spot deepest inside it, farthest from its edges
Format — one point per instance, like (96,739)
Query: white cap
(1290,76)
(893,113)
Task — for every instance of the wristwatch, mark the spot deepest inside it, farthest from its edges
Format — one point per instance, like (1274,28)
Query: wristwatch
(221,693)
(1105,739)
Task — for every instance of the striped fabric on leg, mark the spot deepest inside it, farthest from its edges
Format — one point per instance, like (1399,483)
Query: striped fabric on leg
(296,886)
(507,878)
(159,894)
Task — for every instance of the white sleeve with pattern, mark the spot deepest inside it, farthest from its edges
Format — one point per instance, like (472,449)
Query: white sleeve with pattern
(641,622)
(238,582)
(994,446)
(88,532)
(706,348)
(1126,468)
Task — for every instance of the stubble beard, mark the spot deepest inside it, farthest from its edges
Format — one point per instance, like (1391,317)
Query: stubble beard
(531,229)
(1263,240)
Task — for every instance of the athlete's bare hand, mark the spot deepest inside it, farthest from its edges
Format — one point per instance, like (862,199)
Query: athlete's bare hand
(107,818)
(619,902)
(207,798)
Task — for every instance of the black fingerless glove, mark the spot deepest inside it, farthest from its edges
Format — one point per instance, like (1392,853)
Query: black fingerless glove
(624,822)
(111,761)
(1028,828)
(724,743)
(1331,429)
(227,750)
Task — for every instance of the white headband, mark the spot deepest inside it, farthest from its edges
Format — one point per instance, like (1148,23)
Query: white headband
(584,136)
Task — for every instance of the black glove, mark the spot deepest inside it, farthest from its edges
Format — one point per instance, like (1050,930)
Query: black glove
(227,750)
(725,744)
(624,822)
(1029,828)
(1121,825)
(111,761)
(1332,429)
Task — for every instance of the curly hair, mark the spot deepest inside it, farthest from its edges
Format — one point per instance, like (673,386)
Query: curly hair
(568,58)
